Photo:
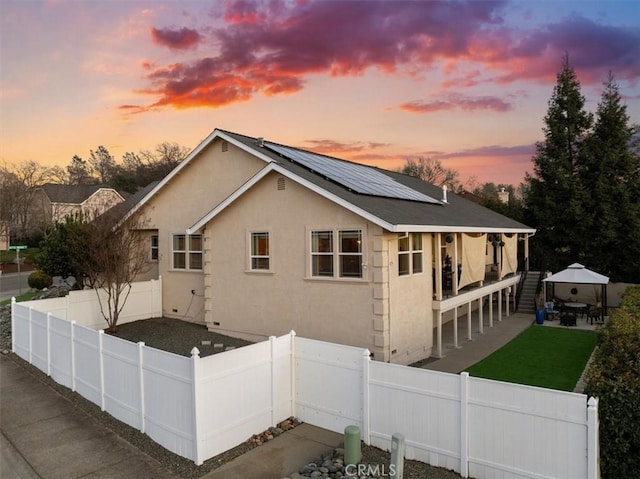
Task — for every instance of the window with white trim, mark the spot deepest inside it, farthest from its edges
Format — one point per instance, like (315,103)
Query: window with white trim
(409,253)
(187,252)
(336,253)
(154,248)
(260,251)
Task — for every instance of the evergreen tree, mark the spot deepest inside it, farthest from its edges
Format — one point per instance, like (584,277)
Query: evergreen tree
(103,165)
(556,197)
(610,172)
(78,172)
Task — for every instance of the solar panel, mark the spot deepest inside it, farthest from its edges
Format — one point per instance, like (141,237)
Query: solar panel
(359,178)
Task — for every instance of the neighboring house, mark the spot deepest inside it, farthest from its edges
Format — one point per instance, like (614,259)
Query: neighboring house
(53,202)
(255,239)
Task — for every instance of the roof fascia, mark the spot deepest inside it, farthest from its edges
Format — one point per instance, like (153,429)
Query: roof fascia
(457,229)
(195,152)
(274,167)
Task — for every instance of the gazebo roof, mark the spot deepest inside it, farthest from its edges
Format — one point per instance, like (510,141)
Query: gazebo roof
(577,273)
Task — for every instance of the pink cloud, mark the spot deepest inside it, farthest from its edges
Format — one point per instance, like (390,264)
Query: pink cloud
(271,47)
(457,102)
(181,39)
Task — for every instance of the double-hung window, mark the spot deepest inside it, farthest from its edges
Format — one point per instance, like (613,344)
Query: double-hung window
(154,248)
(187,252)
(409,253)
(260,251)
(336,253)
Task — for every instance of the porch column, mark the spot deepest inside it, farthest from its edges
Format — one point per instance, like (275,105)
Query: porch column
(499,305)
(526,252)
(455,327)
(480,319)
(469,337)
(439,333)
(454,265)
(506,302)
(438,260)
(491,310)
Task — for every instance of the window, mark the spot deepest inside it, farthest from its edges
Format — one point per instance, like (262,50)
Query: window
(154,247)
(322,253)
(260,251)
(409,253)
(350,254)
(187,252)
(347,263)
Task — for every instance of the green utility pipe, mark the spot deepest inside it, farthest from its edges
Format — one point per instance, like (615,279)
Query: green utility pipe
(352,449)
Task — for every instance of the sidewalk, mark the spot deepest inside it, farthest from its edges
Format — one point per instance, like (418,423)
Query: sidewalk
(45,436)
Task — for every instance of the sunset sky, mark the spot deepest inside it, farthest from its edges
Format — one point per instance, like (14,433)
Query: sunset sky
(375,82)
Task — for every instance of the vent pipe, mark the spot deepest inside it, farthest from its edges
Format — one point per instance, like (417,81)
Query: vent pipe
(260,141)
(444,194)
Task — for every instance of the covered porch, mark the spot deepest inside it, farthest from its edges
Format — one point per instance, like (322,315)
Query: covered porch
(478,308)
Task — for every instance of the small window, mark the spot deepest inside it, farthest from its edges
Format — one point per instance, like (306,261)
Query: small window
(260,251)
(409,253)
(154,248)
(187,252)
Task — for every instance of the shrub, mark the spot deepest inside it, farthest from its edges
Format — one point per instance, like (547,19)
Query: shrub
(614,378)
(39,280)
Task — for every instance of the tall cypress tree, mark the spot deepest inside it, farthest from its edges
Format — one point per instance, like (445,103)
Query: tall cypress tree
(610,172)
(556,199)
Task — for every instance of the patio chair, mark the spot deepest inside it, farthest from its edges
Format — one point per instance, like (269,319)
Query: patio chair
(550,311)
(595,315)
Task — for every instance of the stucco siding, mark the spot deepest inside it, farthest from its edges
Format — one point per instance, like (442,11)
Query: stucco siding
(411,309)
(198,188)
(259,304)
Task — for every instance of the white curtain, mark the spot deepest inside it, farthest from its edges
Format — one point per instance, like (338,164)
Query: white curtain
(509,255)
(473,259)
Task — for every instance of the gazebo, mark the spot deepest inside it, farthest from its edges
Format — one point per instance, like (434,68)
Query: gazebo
(578,274)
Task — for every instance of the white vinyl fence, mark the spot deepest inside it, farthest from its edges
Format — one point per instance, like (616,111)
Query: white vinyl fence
(200,407)
(144,302)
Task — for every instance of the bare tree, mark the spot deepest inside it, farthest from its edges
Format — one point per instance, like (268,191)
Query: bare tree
(432,171)
(111,253)
(19,183)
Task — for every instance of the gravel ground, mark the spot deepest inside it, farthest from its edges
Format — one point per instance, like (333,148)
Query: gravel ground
(180,337)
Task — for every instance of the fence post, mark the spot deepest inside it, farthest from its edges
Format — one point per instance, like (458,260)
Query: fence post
(141,382)
(272,343)
(292,371)
(195,378)
(464,424)
(72,337)
(366,426)
(30,334)
(48,344)
(593,443)
(13,324)
(101,357)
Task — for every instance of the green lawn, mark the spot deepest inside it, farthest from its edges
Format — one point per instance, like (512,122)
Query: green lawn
(23,297)
(541,356)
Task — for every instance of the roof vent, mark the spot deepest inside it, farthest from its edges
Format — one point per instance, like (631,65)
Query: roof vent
(444,194)
(260,141)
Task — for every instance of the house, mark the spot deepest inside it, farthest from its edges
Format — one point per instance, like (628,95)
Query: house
(53,202)
(254,238)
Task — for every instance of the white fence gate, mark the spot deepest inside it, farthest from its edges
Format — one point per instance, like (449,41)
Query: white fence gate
(200,407)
